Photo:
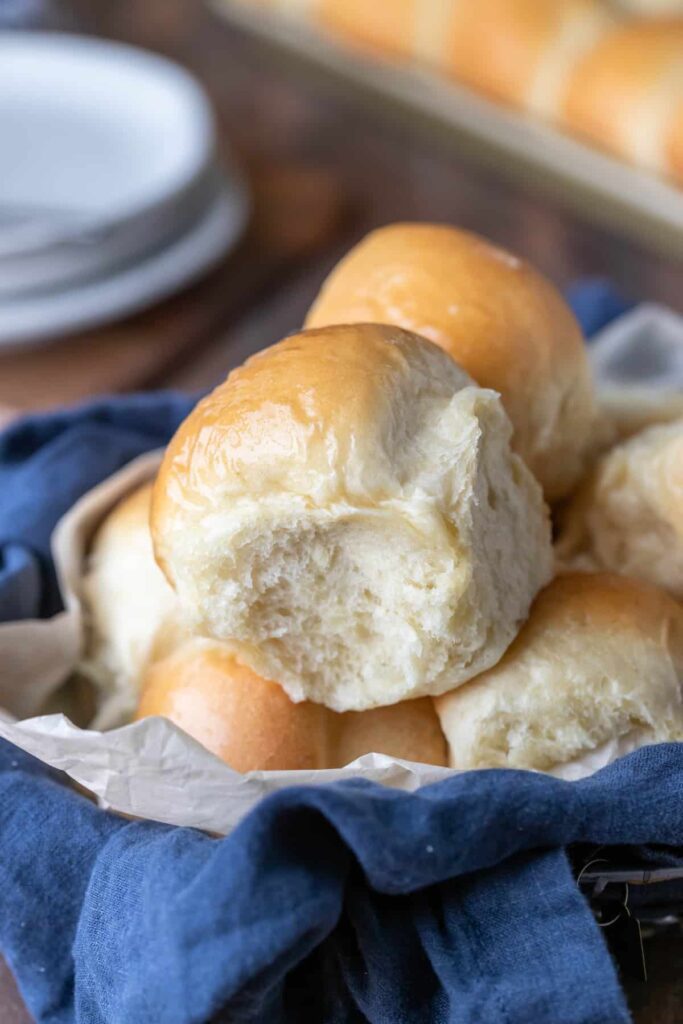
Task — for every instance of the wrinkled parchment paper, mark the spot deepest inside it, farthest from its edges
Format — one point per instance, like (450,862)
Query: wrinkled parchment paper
(150,769)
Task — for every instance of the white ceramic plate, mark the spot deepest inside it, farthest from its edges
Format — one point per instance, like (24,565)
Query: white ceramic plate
(603,188)
(105,152)
(36,318)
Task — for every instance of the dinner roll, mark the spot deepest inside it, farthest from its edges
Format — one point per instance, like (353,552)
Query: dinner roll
(409,730)
(501,321)
(131,612)
(522,51)
(628,516)
(251,724)
(382,29)
(519,51)
(247,721)
(626,94)
(596,671)
(346,512)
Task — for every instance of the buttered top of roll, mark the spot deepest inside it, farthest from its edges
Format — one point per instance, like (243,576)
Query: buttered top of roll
(346,512)
(599,660)
(252,725)
(627,93)
(321,415)
(521,51)
(628,515)
(130,608)
(501,321)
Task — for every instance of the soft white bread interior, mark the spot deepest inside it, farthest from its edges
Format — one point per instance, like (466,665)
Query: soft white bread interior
(131,612)
(502,322)
(596,670)
(252,724)
(628,515)
(626,94)
(346,512)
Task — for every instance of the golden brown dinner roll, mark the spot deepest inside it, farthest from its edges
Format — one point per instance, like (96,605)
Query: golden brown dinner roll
(501,321)
(409,730)
(346,512)
(247,721)
(626,94)
(628,516)
(522,51)
(596,671)
(130,609)
(251,724)
(383,29)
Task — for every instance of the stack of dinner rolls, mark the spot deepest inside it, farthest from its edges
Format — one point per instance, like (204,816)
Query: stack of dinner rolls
(348,548)
(611,73)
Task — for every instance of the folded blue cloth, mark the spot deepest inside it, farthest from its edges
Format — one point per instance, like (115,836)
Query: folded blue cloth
(345,903)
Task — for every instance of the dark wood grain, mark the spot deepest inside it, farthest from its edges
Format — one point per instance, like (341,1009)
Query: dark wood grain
(280,121)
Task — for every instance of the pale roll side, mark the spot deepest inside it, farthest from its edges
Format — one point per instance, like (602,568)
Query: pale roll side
(627,517)
(131,612)
(598,667)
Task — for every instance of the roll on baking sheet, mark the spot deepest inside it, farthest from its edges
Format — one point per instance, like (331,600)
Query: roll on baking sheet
(629,199)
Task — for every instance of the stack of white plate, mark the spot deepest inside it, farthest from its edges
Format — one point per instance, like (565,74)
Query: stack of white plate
(111,197)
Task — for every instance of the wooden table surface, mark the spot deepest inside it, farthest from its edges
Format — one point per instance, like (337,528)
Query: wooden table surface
(324,171)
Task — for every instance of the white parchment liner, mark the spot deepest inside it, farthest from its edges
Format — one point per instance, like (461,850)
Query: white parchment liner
(150,769)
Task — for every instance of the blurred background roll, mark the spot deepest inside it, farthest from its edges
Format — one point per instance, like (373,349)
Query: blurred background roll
(522,51)
(626,95)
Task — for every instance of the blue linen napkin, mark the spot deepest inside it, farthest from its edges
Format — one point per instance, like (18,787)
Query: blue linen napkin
(343,903)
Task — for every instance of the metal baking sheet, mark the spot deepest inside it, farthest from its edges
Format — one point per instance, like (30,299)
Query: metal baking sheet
(624,198)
